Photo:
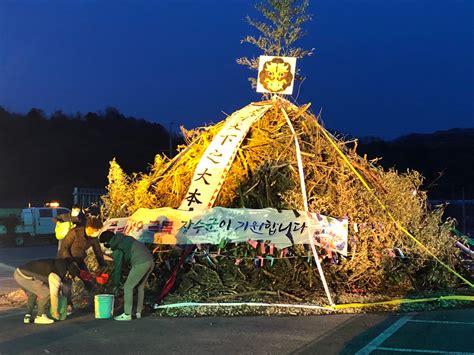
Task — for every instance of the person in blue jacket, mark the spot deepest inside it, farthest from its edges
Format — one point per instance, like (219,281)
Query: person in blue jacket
(127,250)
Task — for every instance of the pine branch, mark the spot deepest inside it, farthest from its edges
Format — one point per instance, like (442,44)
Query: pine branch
(280,30)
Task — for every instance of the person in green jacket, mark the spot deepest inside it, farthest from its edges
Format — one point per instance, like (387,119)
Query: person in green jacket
(127,250)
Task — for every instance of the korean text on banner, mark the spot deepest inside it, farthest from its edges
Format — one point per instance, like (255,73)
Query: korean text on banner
(232,225)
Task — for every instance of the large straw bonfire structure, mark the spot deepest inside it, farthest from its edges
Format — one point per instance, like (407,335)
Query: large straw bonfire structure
(383,209)
(289,161)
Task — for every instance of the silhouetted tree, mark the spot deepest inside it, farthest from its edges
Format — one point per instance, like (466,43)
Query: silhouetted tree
(280,28)
(44,158)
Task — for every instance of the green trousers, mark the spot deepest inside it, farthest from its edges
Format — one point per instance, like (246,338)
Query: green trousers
(137,279)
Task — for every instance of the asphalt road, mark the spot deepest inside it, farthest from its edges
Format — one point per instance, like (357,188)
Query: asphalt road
(438,332)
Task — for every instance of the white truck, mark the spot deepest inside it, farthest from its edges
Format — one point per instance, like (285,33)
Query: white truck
(19,225)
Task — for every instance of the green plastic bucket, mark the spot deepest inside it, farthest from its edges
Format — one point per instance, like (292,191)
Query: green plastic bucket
(62,308)
(103,306)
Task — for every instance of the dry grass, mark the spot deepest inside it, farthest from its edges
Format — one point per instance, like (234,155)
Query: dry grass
(264,174)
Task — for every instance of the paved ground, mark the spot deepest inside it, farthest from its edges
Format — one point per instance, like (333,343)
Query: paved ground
(439,332)
(12,257)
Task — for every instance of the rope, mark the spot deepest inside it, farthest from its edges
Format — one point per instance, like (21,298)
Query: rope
(398,301)
(306,208)
(382,205)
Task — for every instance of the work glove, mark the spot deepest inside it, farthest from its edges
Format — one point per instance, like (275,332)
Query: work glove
(85,276)
(102,278)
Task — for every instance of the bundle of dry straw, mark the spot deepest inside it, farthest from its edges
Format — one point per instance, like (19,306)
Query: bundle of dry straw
(265,174)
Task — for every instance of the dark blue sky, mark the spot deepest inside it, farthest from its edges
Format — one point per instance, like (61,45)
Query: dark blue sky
(381,67)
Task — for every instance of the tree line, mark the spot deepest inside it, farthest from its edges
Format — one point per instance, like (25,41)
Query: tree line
(445,158)
(44,157)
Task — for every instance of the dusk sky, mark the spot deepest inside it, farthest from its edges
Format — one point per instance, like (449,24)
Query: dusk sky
(381,67)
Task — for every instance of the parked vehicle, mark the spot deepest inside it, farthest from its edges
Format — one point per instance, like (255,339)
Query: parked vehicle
(18,225)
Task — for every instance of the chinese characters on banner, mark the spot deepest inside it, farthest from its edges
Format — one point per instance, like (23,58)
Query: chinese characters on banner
(216,161)
(233,225)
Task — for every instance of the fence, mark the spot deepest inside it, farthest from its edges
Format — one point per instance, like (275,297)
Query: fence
(87,197)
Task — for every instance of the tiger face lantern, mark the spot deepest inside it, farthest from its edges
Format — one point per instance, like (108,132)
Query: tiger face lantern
(276,75)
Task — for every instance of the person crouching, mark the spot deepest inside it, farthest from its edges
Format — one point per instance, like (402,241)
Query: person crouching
(41,280)
(128,250)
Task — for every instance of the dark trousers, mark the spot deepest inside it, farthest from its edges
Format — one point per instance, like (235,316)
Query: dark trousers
(67,284)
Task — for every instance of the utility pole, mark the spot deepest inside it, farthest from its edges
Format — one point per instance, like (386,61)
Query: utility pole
(171,140)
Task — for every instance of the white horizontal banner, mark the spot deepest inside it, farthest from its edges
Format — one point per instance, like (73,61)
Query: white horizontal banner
(282,228)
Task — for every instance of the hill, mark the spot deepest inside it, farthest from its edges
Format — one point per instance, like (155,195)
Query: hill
(43,157)
(445,158)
